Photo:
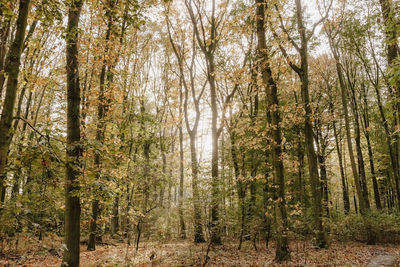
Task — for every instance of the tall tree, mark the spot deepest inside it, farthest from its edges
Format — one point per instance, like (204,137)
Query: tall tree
(12,72)
(282,247)
(5,27)
(72,201)
(207,39)
(302,72)
(366,129)
(350,70)
(391,41)
(190,88)
(103,103)
(344,99)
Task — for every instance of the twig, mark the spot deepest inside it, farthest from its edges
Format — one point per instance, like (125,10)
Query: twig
(46,136)
(206,258)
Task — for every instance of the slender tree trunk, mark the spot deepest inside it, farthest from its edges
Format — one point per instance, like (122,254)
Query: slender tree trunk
(301,185)
(282,252)
(360,157)
(370,153)
(344,98)
(208,49)
(345,192)
(106,77)
(254,162)
(198,227)
(322,167)
(240,187)
(115,216)
(164,172)
(72,202)
(215,186)
(181,181)
(389,140)
(266,219)
(391,36)
(4,35)
(12,72)
(18,173)
(321,239)
(93,225)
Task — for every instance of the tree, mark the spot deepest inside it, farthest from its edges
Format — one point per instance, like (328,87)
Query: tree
(72,201)
(103,106)
(333,43)
(207,39)
(189,87)
(273,116)
(391,42)
(302,72)
(12,72)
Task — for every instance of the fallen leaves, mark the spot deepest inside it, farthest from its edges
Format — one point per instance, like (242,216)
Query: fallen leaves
(188,254)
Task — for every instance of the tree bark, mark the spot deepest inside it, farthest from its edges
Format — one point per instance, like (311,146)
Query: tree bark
(345,192)
(208,49)
(115,216)
(4,35)
(321,148)
(198,227)
(282,252)
(192,131)
(12,71)
(391,36)
(181,181)
(344,98)
(365,118)
(72,201)
(102,106)
(240,186)
(321,240)
(360,157)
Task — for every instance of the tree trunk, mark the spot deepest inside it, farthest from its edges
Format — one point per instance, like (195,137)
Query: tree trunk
(215,191)
(321,147)
(12,72)
(370,153)
(102,106)
(240,187)
(198,228)
(302,196)
(345,192)
(391,36)
(115,216)
(282,252)
(181,181)
(321,240)
(360,157)
(93,225)
(72,202)
(4,35)
(344,98)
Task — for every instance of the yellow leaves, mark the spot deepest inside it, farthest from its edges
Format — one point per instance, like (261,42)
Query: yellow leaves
(223,4)
(269,214)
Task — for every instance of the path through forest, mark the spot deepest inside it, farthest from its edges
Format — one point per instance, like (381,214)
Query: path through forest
(383,260)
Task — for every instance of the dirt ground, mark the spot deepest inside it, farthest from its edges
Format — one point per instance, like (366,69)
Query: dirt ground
(28,252)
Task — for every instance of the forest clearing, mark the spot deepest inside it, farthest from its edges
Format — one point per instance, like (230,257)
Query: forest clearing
(199,133)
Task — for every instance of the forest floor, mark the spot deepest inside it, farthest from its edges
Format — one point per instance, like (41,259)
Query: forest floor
(179,253)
